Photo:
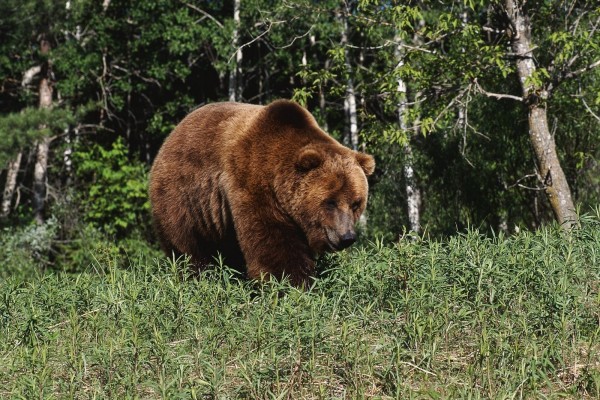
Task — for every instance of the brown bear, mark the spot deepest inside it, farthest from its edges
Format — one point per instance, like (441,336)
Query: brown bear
(262,185)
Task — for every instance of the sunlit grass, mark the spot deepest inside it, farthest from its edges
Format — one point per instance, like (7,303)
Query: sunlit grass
(468,317)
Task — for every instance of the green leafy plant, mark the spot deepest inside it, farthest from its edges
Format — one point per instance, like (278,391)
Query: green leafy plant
(26,250)
(115,196)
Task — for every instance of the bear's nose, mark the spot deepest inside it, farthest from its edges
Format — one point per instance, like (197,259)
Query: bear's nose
(347,239)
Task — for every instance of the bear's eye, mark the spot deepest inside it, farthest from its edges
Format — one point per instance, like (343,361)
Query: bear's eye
(331,204)
(356,205)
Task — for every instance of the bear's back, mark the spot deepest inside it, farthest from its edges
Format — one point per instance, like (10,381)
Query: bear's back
(186,180)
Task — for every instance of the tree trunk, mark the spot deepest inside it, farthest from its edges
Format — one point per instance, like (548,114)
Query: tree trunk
(10,185)
(324,124)
(13,165)
(413,194)
(350,102)
(39,179)
(68,156)
(43,145)
(234,78)
(548,164)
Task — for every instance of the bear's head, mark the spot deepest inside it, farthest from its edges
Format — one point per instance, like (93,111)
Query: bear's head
(330,194)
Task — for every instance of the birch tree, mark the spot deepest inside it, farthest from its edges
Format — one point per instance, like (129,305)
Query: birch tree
(10,185)
(571,49)
(461,52)
(235,70)
(14,164)
(350,98)
(549,168)
(413,194)
(43,145)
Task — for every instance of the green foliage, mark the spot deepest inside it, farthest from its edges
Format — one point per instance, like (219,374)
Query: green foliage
(66,243)
(26,251)
(20,130)
(147,64)
(467,317)
(86,246)
(114,189)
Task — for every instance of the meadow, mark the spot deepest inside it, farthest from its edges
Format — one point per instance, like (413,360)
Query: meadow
(471,316)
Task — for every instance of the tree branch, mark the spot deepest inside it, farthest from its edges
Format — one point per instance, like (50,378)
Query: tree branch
(495,95)
(29,74)
(519,184)
(589,109)
(581,70)
(450,104)
(201,11)
(256,38)
(295,38)
(388,43)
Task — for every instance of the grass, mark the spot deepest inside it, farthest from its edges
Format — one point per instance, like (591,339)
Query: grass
(467,317)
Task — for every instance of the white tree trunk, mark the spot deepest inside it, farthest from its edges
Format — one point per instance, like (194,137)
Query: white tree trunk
(10,185)
(548,164)
(350,101)
(413,194)
(39,179)
(234,74)
(352,115)
(322,108)
(68,155)
(43,145)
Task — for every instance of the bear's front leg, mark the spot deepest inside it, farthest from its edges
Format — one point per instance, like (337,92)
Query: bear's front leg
(272,249)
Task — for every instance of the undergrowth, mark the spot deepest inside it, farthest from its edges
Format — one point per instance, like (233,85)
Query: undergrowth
(467,317)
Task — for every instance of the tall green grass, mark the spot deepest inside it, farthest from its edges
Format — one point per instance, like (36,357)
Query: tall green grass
(468,317)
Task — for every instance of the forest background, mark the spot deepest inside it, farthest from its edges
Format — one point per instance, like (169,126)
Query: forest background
(480,114)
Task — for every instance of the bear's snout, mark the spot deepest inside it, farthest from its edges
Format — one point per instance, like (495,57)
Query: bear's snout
(347,240)
(337,241)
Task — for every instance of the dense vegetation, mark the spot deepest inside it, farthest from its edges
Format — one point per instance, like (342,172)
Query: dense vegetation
(90,89)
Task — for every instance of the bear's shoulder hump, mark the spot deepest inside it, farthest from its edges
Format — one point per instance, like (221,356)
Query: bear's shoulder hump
(288,113)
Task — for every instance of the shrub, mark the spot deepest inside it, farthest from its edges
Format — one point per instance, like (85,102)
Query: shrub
(114,196)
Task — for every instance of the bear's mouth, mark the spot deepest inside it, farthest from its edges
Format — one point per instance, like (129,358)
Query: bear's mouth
(332,240)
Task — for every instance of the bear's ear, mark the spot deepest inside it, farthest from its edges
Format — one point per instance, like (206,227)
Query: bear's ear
(288,113)
(366,162)
(308,159)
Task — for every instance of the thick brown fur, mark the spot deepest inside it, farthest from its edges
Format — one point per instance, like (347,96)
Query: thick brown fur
(262,185)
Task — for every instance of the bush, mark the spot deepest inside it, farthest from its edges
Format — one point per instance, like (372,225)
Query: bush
(26,250)
(114,196)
